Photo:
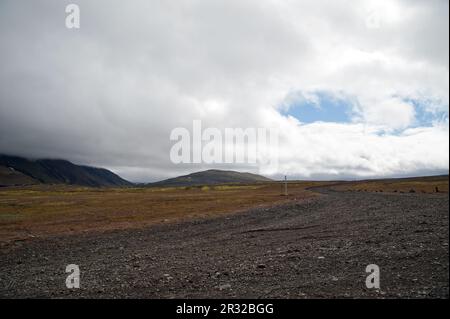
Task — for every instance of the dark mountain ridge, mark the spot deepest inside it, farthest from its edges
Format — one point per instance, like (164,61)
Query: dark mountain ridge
(18,171)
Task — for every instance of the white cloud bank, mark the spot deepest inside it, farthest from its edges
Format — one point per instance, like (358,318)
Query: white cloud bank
(110,93)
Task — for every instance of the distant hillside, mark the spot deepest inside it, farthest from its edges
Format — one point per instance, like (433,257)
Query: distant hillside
(9,176)
(21,171)
(211,177)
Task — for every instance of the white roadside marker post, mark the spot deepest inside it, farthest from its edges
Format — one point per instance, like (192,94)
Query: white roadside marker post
(285,186)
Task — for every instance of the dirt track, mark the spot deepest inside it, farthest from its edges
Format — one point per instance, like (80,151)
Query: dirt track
(313,249)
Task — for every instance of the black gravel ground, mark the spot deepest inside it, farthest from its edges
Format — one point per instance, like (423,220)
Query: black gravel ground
(314,249)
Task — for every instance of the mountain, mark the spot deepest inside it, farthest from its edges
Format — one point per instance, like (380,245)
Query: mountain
(9,176)
(211,177)
(16,170)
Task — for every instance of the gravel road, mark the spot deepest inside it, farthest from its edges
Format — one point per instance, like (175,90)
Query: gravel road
(317,248)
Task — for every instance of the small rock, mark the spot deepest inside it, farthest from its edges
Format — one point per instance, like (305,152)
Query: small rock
(168,277)
(224,286)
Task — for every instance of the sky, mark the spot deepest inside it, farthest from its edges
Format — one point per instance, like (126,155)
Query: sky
(357,89)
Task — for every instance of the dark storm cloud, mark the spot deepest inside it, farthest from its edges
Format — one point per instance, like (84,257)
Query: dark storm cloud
(110,93)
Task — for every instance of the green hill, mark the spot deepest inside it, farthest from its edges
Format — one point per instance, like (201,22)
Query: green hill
(211,177)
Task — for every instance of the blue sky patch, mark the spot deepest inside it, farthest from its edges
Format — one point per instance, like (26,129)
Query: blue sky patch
(423,115)
(324,107)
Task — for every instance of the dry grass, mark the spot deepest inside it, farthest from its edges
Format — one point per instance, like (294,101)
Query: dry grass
(425,185)
(38,211)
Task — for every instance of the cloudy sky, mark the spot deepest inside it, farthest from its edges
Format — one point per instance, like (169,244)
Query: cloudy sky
(357,89)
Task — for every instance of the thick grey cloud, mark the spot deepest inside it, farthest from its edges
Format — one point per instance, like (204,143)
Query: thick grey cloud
(110,93)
